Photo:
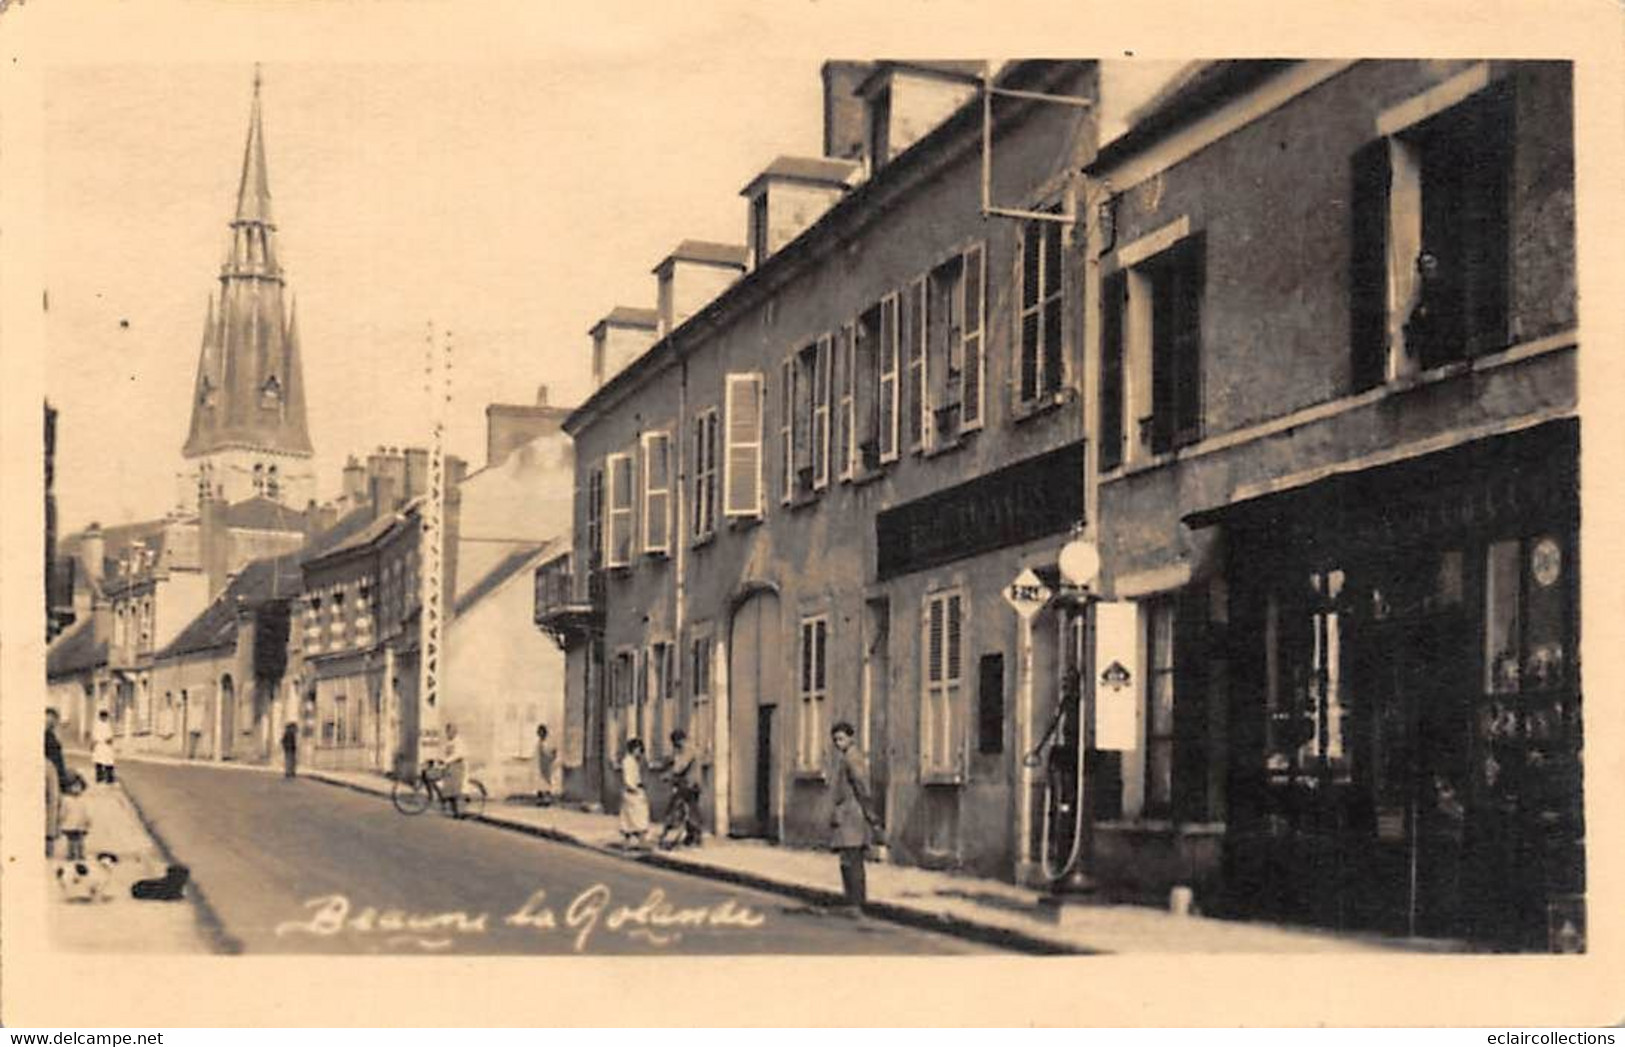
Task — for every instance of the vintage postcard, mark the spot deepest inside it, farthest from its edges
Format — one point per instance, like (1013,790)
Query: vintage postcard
(667,519)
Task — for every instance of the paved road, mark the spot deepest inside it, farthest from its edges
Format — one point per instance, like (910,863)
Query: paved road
(299,866)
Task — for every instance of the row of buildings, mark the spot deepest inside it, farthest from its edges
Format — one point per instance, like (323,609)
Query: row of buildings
(1293,357)
(250,606)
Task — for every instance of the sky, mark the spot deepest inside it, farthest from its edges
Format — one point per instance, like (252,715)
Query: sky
(510,203)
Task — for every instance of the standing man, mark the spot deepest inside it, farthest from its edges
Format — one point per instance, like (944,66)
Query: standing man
(56,778)
(290,750)
(683,773)
(852,820)
(547,762)
(101,748)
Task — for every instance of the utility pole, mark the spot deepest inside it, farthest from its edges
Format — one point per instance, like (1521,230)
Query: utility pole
(431,547)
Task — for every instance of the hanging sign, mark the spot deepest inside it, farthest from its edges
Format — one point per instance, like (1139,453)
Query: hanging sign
(1117,681)
(1027,594)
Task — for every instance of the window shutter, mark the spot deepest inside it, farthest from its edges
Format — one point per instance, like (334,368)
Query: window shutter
(1113,301)
(1368,276)
(697,506)
(1053,367)
(787,431)
(953,672)
(742,480)
(1027,273)
(846,422)
(887,385)
(916,404)
(1190,281)
(821,394)
(618,539)
(656,492)
(972,365)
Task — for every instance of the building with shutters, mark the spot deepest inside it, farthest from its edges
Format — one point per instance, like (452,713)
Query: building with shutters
(802,502)
(1333,332)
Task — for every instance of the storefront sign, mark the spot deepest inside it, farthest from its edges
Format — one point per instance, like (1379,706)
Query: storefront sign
(1030,499)
(1027,594)
(1117,684)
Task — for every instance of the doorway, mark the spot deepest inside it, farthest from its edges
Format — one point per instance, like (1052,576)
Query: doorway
(227,719)
(755,673)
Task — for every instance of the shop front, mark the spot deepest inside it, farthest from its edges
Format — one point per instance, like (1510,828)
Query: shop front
(1404,727)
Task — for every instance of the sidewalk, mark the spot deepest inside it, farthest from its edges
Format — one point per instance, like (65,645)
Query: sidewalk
(986,910)
(121,923)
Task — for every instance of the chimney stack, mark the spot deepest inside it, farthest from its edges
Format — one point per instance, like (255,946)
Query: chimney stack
(845,127)
(93,553)
(355,482)
(417,473)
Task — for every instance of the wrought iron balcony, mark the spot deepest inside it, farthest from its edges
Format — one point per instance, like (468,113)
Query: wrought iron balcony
(568,608)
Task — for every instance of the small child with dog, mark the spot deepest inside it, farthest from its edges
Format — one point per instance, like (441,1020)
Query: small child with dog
(74,819)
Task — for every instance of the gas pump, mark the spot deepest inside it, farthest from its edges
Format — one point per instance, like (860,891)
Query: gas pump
(1061,754)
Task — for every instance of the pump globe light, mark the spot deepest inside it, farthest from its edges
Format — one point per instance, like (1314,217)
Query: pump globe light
(1079,562)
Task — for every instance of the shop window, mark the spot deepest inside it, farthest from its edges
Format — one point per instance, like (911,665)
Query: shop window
(656,493)
(1525,616)
(942,712)
(811,691)
(1430,248)
(1040,373)
(1308,733)
(618,535)
(742,467)
(703,509)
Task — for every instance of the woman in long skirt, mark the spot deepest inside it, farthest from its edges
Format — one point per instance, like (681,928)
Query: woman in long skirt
(634,798)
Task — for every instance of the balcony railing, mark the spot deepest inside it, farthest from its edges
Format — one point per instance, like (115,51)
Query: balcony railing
(567,607)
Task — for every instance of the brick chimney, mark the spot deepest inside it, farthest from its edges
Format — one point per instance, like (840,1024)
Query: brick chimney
(845,123)
(355,482)
(417,473)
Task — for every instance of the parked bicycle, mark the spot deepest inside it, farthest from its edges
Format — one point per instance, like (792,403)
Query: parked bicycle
(415,795)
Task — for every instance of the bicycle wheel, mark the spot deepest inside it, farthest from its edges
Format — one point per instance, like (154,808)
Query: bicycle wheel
(473,802)
(676,827)
(410,797)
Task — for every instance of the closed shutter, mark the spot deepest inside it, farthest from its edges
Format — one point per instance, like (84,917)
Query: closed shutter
(972,378)
(657,492)
(1113,300)
(742,480)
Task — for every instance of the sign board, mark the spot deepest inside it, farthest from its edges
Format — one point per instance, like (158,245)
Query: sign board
(1027,594)
(1119,679)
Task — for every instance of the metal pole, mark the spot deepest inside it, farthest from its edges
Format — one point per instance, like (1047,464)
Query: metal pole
(1029,770)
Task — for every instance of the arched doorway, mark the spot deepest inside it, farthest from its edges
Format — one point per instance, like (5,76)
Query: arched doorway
(755,676)
(226,720)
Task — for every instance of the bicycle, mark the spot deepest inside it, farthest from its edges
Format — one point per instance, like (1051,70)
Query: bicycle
(414,795)
(674,828)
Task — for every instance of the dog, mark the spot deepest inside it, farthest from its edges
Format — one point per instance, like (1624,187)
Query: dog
(170,887)
(86,881)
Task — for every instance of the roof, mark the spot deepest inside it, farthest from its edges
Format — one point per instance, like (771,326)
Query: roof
(263,514)
(273,578)
(366,535)
(1189,97)
(75,650)
(629,316)
(707,252)
(957,69)
(505,569)
(817,170)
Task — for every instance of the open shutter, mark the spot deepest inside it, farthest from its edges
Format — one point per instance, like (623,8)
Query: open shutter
(822,388)
(1190,283)
(887,387)
(742,482)
(618,539)
(1368,277)
(846,423)
(973,289)
(787,428)
(1113,300)
(914,334)
(657,492)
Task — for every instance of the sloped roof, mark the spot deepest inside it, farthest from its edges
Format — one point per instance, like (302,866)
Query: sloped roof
(263,514)
(818,170)
(505,569)
(1195,91)
(75,651)
(368,534)
(272,578)
(707,251)
(630,316)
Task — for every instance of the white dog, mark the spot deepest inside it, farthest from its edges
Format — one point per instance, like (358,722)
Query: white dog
(86,881)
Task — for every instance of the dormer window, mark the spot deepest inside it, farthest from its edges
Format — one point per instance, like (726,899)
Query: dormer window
(880,128)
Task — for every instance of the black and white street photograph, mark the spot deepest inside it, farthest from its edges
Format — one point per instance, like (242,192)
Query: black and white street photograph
(666,500)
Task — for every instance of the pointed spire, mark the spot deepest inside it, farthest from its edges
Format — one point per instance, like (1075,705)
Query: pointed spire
(254,191)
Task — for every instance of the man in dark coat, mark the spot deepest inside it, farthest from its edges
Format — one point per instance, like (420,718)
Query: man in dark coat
(853,823)
(56,779)
(290,749)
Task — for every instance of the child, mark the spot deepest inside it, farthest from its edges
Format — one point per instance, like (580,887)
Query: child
(74,820)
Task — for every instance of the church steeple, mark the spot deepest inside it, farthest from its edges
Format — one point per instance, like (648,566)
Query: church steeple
(249,395)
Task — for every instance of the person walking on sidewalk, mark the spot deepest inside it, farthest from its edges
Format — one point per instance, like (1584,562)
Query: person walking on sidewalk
(75,818)
(547,763)
(853,823)
(634,799)
(290,750)
(101,748)
(56,777)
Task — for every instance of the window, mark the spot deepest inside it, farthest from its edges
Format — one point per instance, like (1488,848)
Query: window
(758,230)
(951,372)
(657,493)
(972,293)
(1309,735)
(1040,316)
(804,430)
(1113,295)
(618,537)
(886,390)
(273,486)
(620,680)
(259,478)
(704,506)
(700,711)
(1173,281)
(1429,262)
(942,714)
(1525,616)
(812,688)
(990,705)
(662,714)
(866,393)
(595,520)
(341,720)
(1159,720)
(742,477)
(846,407)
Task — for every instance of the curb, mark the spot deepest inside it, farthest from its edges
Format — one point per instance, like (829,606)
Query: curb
(208,920)
(953,926)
